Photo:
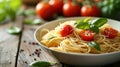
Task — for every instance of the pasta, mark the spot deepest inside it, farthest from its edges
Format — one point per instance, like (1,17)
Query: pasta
(73,43)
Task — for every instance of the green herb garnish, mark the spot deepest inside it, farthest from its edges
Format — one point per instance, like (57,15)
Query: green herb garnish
(42,64)
(99,22)
(94,25)
(29,12)
(51,37)
(83,24)
(94,28)
(14,30)
(32,21)
(95,45)
(87,19)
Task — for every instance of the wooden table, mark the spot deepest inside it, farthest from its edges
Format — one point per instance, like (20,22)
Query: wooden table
(19,50)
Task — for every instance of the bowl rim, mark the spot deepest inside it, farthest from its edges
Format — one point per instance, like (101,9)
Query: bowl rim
(70,53)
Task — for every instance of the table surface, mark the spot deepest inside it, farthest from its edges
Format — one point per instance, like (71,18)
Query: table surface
(19,50)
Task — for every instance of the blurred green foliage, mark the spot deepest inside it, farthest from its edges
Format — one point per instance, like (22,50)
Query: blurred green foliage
(110,8)
(8,9)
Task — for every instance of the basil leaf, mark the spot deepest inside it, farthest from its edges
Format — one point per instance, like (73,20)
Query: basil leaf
(32,22)
(36,21)
(86,19)
(11,13)
(29,12)
(2,15)
(15,4)
(93,25)
(28,21)
(99,22)
(41,64)
(14,30)
(83,25)
(95,45)
(94,28)
(51,37)
(79,21)
(9,7)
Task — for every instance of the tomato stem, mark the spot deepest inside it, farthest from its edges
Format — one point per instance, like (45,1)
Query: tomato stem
(46,1)
(89,2)
(75,2)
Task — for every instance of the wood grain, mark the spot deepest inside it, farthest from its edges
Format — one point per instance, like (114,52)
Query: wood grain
(28,48)
(9,43)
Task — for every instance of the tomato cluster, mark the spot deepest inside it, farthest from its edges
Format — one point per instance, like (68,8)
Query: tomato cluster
(49,10)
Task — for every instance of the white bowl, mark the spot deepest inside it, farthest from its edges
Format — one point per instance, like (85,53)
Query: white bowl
(80,59)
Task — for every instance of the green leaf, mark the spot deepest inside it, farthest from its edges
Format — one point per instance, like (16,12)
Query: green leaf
(109,8)
(29,12)
(9,8)
(41,64)
(1,4)
(94,28)
(15,4)
(28,21)
(78,21)
(2,15)
(32,22)
(51,37)
(99,22)
(20,12)
(14,30)
(82,24)
(11,13)
(92,25)
(95,45)
(87,19)
(36,21)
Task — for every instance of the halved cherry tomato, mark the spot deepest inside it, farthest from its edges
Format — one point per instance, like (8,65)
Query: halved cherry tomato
(70,9)
(66,30)
(45,10)
(110,33)
(57,5)
(87,35)
(88,10)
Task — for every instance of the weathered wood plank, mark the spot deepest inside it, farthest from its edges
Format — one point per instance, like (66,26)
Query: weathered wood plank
(28,48)
(9,43)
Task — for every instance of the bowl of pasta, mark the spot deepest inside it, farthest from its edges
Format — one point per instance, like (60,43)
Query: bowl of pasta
(81,40)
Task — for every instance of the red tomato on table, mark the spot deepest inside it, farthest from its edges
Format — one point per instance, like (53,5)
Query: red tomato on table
(87,35)
(88,10)
(110,33)
(70,9)
(57,5)
(45,11)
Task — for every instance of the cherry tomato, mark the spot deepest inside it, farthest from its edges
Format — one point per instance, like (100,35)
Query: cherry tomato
(45,11)
(57,5)
(87,35)
(66,30)
(70,9)
(110,33)
(87,10)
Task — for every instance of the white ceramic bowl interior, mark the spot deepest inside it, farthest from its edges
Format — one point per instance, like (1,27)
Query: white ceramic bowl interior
(79,59)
